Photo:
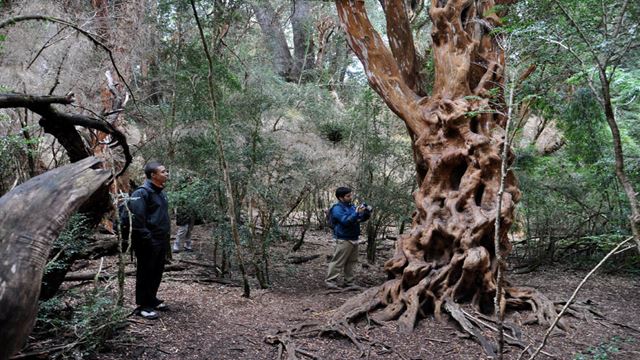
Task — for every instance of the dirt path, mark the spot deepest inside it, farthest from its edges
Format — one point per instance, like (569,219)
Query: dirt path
(213,321)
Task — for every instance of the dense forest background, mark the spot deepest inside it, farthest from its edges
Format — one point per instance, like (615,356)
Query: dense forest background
(284,108)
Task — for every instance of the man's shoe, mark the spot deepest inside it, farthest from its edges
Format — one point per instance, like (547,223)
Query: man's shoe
(188,249)
(162,307)
(147,314)
(175,251)
(331,285)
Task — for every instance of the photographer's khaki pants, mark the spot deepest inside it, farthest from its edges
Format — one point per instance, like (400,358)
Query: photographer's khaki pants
(345,257)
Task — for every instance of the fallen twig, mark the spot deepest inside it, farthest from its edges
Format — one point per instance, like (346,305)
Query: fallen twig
(437,340)
(200,263)
(302,259)
(343,290)
(306,353)
(575,293)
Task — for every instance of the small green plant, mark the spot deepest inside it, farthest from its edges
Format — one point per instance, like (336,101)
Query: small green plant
(70,241)
(81,322)
(603,351)
(333,131)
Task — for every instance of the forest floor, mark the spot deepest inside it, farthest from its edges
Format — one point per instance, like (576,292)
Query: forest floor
(209,320)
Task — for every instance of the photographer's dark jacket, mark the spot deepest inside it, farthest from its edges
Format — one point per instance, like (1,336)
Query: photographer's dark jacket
(347,221)
(150,210)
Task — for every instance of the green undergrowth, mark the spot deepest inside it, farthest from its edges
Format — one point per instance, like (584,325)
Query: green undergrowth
(81,323)
(609,349)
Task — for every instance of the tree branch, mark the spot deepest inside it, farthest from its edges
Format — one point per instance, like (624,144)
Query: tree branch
(61,124)
(581,33)
(615,57)
(26,101)
(45,46)
(582,64)
(573,296)
(616,32)
(401,43)
(381,68)
(92,37)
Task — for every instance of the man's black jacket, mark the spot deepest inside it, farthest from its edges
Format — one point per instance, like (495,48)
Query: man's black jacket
(150,210)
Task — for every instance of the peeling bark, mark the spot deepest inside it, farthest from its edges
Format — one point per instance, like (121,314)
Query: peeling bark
(401,43)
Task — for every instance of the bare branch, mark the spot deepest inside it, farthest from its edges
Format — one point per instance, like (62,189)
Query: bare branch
(47,44)
(584,67)
(92,37)
(573,296)
(621,19)
(583,36)
(61,124)
(604,19)
(26,101)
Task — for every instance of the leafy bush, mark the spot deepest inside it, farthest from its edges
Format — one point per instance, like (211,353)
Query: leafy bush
(81,324)
(71,240)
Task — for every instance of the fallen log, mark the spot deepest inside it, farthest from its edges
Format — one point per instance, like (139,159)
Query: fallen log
(200,263)
(91,275)
(31,217)
(302,259)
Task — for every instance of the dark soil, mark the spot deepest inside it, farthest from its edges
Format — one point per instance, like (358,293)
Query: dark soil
(209,320)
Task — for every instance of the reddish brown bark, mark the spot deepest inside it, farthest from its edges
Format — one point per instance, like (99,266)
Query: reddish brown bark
(401,43)
(448,256)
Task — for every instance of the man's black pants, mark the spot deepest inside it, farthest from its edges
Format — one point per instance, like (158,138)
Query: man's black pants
(151,258)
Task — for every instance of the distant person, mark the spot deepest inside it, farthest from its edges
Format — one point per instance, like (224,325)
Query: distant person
(151,228)
(346,219)
(185,220)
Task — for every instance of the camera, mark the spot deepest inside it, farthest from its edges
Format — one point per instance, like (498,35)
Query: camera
(368,208)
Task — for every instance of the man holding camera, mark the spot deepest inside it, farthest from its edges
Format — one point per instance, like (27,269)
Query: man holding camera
(346,218)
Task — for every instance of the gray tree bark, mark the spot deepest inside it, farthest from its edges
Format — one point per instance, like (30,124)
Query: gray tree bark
(31,217)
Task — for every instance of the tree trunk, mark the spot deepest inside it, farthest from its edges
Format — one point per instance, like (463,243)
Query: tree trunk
(619,157)
(275,39)
(448,255)
(31,217)
(215,122)
(63,127)
(303,45)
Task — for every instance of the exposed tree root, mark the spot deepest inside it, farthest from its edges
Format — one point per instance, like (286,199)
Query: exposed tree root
(390,302)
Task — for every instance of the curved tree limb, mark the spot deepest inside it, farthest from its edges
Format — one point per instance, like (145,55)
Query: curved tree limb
(61,125)
(88,35)
(380,66)
(401,43)
(31,217)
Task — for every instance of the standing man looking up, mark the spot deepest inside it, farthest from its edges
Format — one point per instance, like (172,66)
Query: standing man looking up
(150,237)
(346,219)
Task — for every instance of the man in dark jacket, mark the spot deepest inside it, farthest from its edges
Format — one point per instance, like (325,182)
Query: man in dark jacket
(151,227)
(346,218)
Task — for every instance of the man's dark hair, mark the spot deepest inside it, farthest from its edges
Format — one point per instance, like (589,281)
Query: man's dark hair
(342,191)
(151,167)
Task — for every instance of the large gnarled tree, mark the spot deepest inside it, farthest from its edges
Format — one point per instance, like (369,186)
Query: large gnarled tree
(448,257)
